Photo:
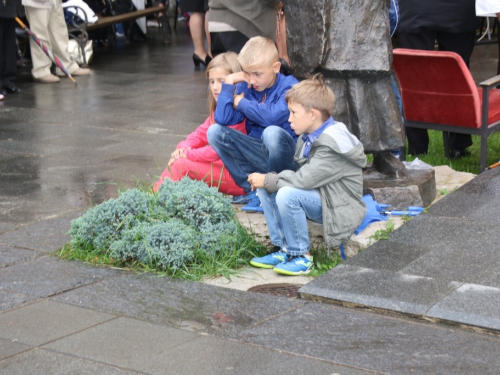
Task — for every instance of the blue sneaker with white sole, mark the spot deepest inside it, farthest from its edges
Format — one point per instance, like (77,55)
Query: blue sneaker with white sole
(294,266)
(270,260)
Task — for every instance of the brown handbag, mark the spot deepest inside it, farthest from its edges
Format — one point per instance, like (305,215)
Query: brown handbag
(281,36)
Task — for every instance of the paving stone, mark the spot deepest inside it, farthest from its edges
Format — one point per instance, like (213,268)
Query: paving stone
(45,321)
(302,365)
(129,343)
(216,356)
(11,255)
(472,304)
(45,236)
(190,305)
(9,300)
(455,264)
(440,233)
(387,255)
(46,276)
(381,289)
(41,361)
(461,204)
(375,342)
(9,348)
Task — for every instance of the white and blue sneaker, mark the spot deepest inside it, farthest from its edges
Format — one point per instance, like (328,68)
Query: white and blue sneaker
(270,260)
(294,266)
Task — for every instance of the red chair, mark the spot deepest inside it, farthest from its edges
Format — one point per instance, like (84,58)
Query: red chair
(439,93)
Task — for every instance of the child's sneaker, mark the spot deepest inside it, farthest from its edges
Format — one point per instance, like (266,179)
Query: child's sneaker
(245,198)
(294,266)
(270,260)
(253,205)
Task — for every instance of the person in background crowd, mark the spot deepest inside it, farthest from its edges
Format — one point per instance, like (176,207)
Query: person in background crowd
(46,19)
(490,8)
(233,22)
(197,9)
(9,10)
(453,25)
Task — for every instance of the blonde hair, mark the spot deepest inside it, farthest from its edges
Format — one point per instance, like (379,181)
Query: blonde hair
(258,50)
(313,93)
(228,62)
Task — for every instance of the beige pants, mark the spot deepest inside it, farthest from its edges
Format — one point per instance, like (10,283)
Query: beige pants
(49,26)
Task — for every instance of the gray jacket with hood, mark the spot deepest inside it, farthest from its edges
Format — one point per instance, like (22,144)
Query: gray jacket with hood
(334,168)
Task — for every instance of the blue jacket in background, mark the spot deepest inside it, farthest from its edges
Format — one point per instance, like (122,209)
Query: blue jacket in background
(261,109)
(394,16)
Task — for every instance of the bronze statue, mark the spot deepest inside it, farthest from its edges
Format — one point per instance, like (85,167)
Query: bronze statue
(348,41)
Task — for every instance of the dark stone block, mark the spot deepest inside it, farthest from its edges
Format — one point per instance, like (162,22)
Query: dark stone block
(10,300)
(189,305)
(388,256)
(470,304)
(45,236)
(379,289)
(418,189)
(46,276)
(10,255)
(377,342)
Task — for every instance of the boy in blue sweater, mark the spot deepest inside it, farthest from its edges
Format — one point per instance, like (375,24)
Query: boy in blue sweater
(256,94)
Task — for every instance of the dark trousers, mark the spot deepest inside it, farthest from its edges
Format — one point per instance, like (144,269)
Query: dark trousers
(461,43)
(8,51)
(227,41)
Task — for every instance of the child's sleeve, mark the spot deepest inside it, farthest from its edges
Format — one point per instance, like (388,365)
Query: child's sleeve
(198,138)
(225,113)
(325,167)
(267,113)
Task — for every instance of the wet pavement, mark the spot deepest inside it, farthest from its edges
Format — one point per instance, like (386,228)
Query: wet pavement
(63,149)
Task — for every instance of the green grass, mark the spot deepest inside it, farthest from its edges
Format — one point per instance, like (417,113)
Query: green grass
(470,163)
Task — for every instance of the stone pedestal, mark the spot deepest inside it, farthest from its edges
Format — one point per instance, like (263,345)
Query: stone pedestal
(418,189)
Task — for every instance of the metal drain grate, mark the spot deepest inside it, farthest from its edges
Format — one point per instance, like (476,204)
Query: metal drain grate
(280,290)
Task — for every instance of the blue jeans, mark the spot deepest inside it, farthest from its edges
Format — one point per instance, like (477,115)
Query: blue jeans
(286,213)
(243,155)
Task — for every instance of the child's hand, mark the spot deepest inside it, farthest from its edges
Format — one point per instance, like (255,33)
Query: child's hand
(256,180)
(236,78)
(237,99)
(179,153)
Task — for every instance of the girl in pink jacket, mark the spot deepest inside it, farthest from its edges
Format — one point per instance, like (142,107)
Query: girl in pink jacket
(194,157)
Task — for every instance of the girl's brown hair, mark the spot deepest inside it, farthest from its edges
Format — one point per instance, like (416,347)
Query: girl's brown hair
(228,62)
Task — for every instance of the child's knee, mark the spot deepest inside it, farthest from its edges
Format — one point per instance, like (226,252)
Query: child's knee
(214,133)
(284,196)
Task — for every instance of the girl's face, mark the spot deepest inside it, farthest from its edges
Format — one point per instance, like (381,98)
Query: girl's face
(216,78)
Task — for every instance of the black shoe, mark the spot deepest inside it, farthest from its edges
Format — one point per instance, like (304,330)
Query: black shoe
(197,60)
(458,154)
(3,92)
(12,89)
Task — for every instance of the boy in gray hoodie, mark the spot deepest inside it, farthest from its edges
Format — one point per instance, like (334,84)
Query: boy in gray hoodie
(326,187)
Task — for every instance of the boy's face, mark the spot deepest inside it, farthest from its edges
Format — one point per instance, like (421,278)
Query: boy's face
(262,76)
(301,121)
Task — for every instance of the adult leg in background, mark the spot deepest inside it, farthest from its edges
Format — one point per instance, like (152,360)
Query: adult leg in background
(463,44)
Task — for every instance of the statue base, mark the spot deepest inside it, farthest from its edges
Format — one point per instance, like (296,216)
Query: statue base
(417,189)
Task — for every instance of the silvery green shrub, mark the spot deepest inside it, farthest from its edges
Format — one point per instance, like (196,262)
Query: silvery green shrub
(164,230)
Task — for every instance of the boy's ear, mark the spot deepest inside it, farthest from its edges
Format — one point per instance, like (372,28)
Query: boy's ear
(276,67)
(315,113)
